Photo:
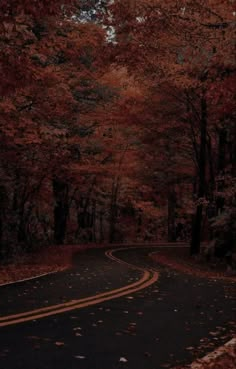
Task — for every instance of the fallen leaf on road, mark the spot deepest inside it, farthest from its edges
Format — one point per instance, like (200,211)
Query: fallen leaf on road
(58,343)
(34,337)
(131,327)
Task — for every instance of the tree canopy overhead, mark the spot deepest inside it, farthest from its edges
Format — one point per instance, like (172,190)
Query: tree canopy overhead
(117,120)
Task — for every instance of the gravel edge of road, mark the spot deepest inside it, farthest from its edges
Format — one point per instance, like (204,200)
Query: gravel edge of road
(221,358)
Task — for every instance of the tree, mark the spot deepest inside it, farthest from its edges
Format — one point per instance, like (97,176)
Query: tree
(179,47)
(40,112)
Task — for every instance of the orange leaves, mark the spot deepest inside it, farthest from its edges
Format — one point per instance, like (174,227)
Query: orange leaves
(174,41)
(33,9)
(7,106)
(21,26)
(8,28)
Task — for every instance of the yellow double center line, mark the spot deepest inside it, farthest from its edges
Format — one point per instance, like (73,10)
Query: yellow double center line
(148,278)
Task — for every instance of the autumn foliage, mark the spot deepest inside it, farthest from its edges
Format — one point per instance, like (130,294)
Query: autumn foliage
(117,122)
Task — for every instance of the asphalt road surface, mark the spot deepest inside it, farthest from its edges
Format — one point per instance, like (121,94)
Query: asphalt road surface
(118,310)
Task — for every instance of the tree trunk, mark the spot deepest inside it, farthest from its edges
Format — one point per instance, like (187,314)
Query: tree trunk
(113,210)
(21,234)
(2,213)
(171,215)
(1,233)
(101,235)
(197,220)
(139,223)
(221,168)
(211,186)
(61,210)
(94,220)
(222,150)
(233,152)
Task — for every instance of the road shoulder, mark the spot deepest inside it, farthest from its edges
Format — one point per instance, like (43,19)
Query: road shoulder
(221,358)
(178,258)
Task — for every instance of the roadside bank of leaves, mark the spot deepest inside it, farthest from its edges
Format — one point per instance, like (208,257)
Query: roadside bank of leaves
(180,260)
(48,260)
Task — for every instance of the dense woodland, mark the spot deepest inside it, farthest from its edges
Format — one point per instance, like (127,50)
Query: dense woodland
(117,123)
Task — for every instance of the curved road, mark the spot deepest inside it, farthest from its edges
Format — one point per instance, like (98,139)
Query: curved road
(113,310)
